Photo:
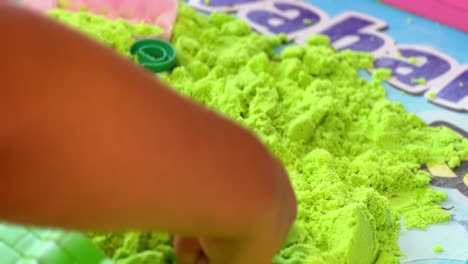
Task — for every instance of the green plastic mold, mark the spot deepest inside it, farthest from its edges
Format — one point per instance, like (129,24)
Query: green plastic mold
(155,55)
(27,245)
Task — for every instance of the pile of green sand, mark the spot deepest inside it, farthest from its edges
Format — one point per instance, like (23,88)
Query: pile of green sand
(353,156)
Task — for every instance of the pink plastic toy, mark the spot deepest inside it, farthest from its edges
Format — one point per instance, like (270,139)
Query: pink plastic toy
(161,13)
(453,13)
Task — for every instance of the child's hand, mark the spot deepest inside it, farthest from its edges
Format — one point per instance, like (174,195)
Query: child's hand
(92,142)
(258,248)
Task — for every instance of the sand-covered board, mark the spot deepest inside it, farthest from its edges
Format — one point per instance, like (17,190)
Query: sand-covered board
(431,62)
(358,162)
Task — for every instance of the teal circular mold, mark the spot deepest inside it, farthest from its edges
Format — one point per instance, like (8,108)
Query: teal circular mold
(155,55)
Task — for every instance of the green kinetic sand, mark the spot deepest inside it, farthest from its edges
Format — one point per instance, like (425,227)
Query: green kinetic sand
(353,156)
(438,249)
(420,81)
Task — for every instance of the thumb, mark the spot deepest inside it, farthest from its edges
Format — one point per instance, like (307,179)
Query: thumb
(202,260)
(188,250)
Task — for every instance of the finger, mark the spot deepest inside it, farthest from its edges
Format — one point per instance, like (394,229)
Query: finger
(187,250)
(202,260)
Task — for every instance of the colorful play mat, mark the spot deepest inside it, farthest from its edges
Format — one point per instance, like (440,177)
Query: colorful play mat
(424,43)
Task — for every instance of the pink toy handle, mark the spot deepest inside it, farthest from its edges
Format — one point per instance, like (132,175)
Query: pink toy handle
(161,13)
(453,13)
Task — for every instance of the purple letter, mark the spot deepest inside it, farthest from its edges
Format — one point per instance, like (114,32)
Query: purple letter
(294,17)
(357,32)
(454,93)
(406,74)
(220,5)
(456,90)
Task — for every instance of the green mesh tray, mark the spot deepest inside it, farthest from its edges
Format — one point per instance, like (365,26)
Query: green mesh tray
(25,245)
